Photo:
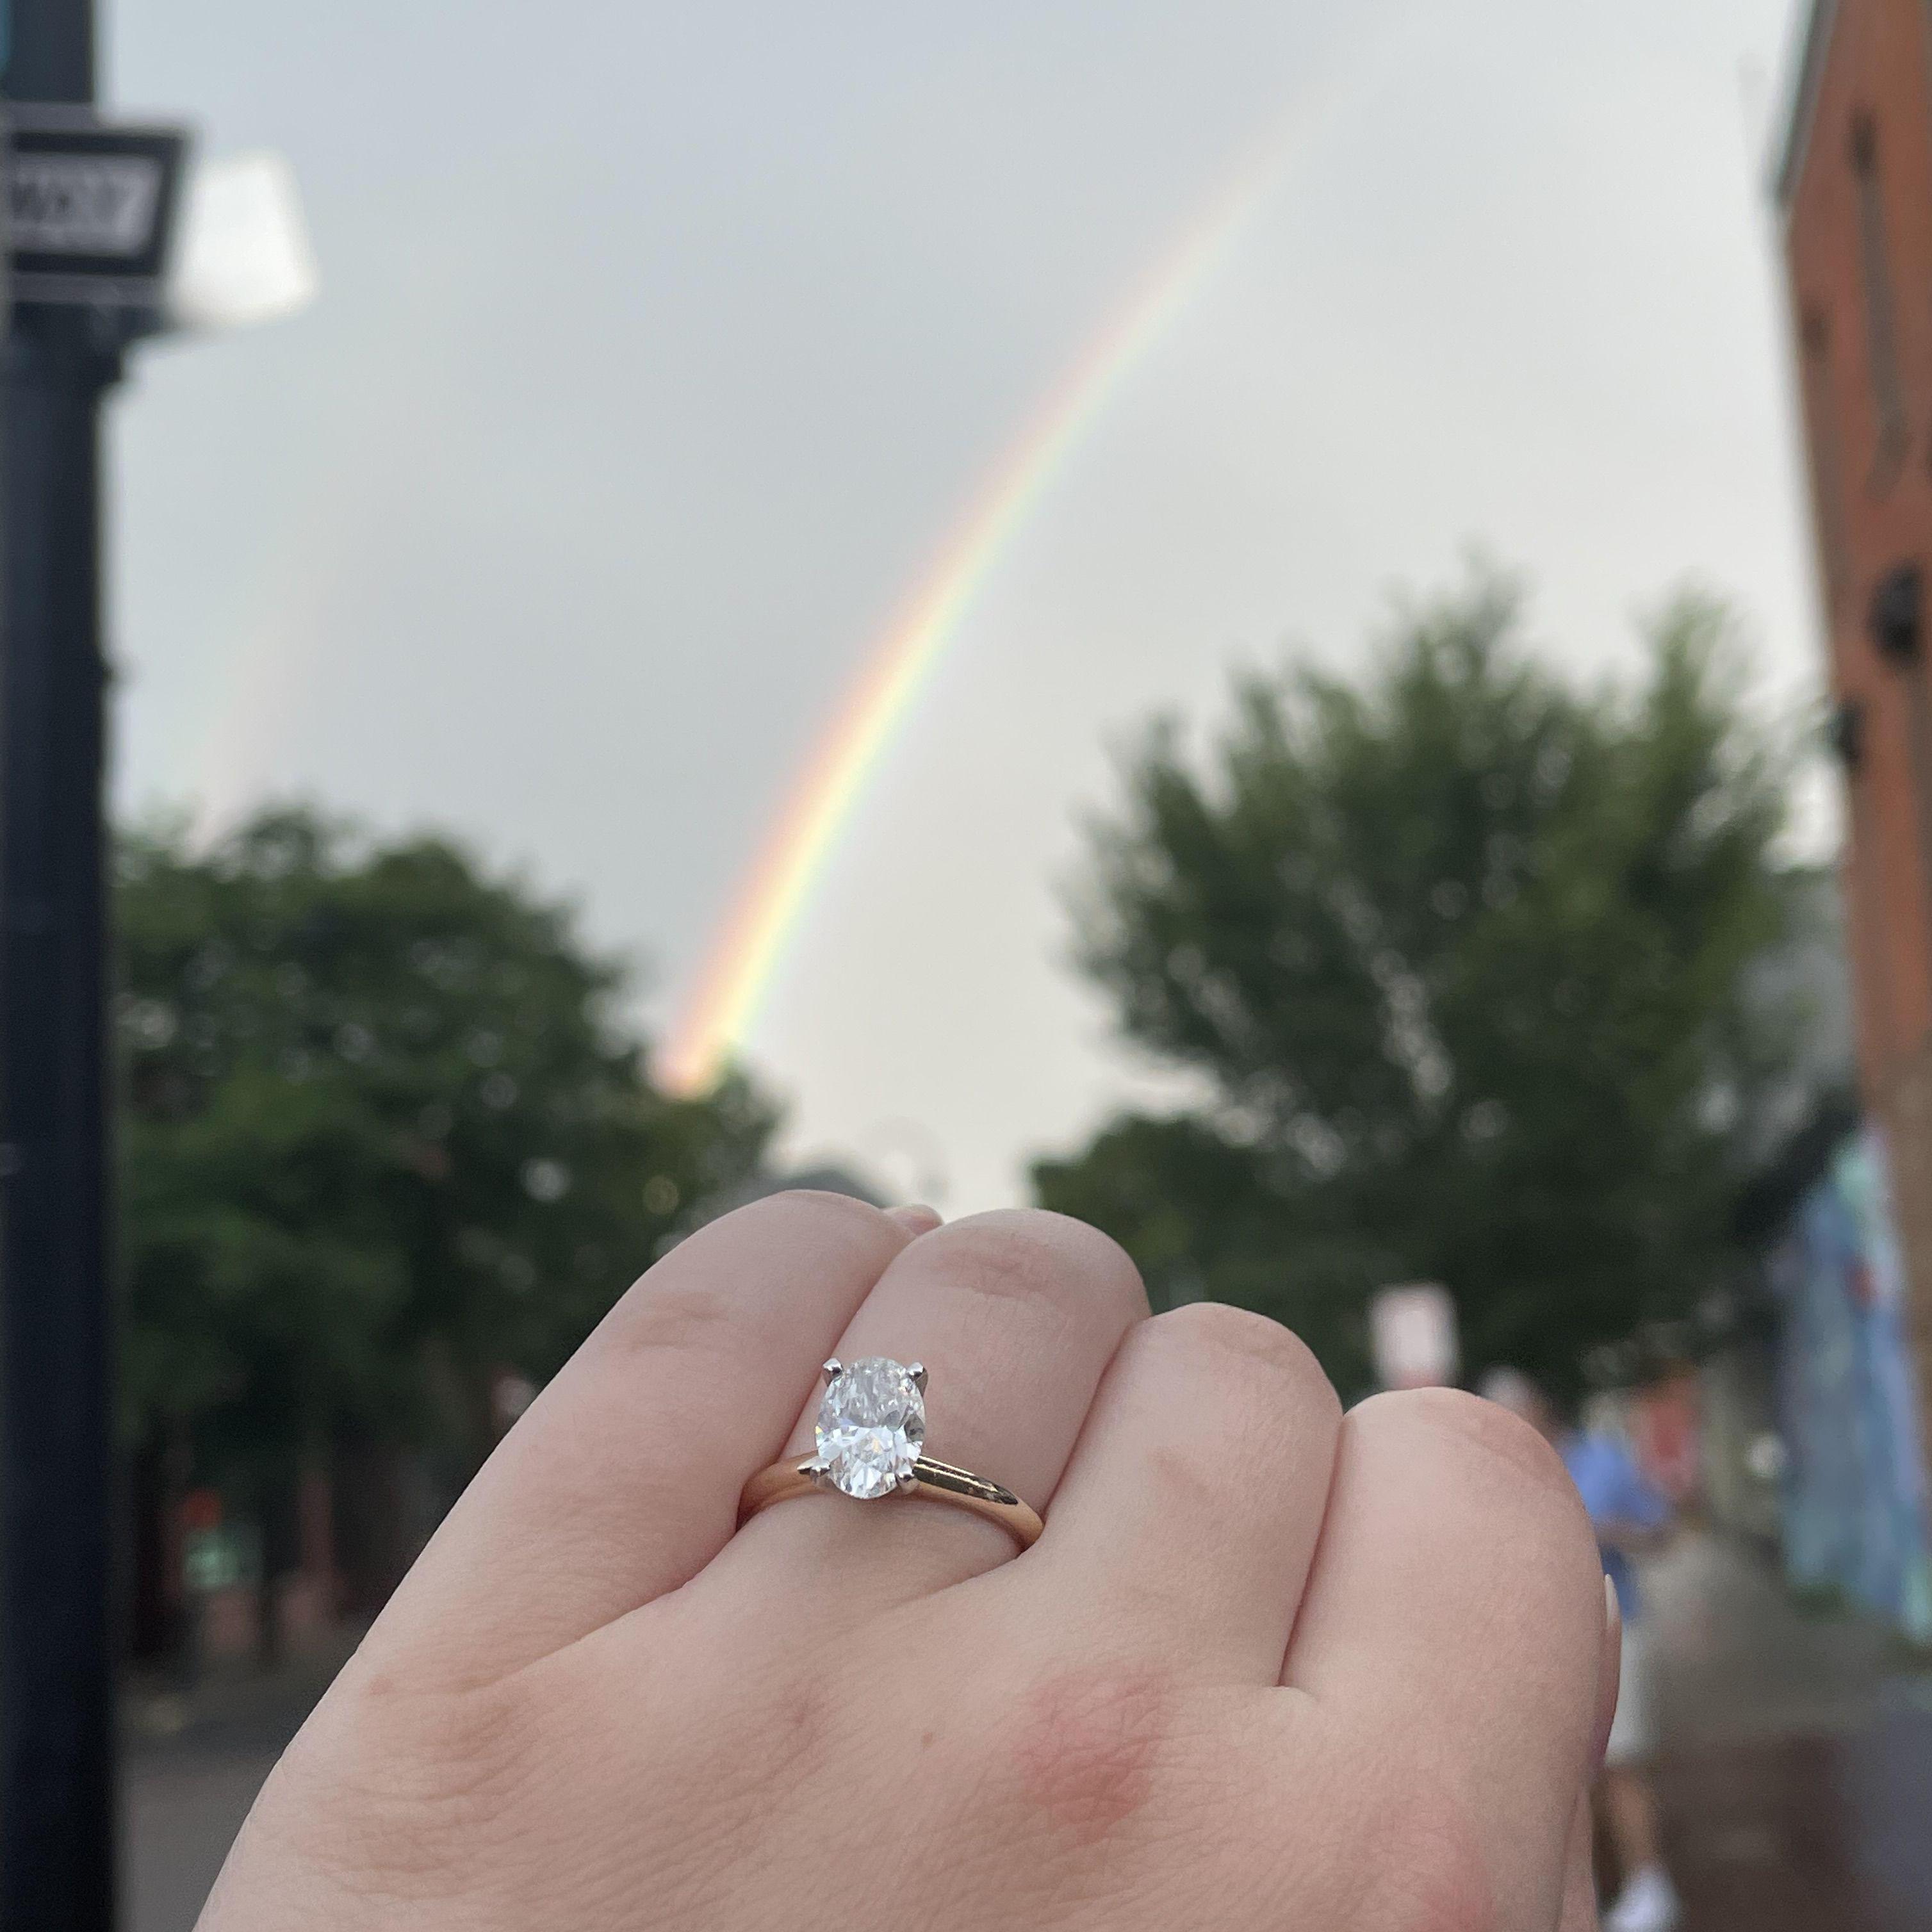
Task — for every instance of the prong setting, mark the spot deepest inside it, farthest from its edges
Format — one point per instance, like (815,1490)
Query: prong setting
(871,1421)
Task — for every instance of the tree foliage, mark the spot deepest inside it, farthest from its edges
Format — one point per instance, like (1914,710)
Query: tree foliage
(384,1137)
(1458,953)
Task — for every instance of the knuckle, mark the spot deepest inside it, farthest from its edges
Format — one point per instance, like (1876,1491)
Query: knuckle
(693,1299)
(1254,1340)
(807,1213)
(1029,1255)
(1532,1504)
(1465,1422)
(1254,1397)
(826,1204)
(438,1742)
(1184,1485)
(398,1787)
(677,1316)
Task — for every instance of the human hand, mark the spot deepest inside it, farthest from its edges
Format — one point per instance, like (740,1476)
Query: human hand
(1268,1666)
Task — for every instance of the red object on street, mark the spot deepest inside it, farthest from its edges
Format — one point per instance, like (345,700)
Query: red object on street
(201,1509)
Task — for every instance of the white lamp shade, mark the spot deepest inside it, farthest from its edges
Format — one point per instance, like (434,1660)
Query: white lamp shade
(242,253)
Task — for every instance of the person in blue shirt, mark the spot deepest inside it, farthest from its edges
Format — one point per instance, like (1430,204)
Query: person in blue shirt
(1631,1518)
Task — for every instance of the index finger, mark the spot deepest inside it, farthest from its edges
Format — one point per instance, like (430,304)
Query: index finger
(622,1480)
(1456,1608)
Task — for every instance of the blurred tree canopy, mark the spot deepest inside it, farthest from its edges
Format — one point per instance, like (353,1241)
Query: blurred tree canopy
(384,1137)
(1456,954)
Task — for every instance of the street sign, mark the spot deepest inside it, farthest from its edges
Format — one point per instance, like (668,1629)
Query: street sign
(1412,1337)
(90,208)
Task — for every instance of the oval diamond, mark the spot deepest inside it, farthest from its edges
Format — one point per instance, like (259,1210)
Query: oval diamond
(871,1424)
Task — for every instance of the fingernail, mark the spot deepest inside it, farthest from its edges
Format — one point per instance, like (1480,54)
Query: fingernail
(1609,1673)
(920,1218)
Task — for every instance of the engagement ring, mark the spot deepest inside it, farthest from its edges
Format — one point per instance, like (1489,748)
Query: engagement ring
(872,1423)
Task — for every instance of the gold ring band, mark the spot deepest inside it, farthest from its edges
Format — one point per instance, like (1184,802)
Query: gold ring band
(938,1482)
(871,1424)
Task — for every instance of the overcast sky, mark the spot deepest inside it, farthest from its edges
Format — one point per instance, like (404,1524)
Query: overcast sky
(659,348)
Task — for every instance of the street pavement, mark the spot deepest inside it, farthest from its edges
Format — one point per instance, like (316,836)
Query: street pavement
(1796,1772)
(1796,1754)
(193,1764)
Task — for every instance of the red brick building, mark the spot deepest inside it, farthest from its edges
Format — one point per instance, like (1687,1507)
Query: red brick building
(1855,190)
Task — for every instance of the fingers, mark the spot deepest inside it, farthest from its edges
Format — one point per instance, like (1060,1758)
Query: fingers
(622,1479)
(1195,1498)
(1456,1608)
(1014,1316)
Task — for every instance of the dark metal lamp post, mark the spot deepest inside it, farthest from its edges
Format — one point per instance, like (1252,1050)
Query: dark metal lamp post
(57,1625)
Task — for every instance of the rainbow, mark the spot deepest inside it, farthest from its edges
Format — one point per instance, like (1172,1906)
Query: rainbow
(764,918)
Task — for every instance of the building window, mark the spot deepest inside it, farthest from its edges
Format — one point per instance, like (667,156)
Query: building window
(1828,478)
(1881,319)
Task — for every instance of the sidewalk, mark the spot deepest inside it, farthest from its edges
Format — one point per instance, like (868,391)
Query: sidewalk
(1796,1768)
(192,1765)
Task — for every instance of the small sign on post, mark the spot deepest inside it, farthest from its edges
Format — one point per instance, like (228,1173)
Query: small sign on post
(90,207)
(1412,1337)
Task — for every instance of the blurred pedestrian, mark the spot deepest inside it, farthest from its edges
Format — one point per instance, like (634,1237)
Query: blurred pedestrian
(1632,1518)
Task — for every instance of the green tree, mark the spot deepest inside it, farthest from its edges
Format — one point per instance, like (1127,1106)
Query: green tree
(1458,953)
(384,1137)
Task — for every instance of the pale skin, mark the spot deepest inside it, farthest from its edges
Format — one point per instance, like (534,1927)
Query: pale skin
(1270,1665)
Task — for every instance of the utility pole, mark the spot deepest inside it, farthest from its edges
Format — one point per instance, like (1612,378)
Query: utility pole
(90,209)
(57,1648)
